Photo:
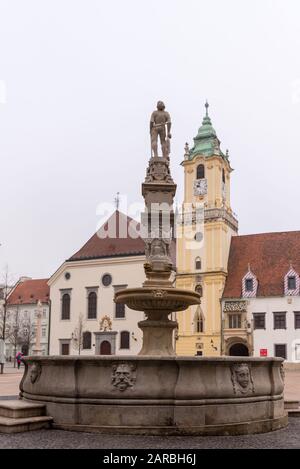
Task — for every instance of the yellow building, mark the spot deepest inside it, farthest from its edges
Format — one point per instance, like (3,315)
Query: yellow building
(204,232)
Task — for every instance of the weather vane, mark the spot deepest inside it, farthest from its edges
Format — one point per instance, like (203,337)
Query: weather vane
(117,200)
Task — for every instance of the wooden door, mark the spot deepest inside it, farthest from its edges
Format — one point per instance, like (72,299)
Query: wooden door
(105,348)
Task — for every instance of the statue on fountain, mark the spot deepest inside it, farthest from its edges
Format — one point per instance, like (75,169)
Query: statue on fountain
(160,125)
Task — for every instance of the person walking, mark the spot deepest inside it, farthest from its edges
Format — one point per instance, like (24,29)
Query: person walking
(19,357)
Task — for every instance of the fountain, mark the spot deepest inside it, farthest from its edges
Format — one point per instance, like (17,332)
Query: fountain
(156,392)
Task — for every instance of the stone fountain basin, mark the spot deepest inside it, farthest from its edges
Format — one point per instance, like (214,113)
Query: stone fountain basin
(161,299)
(158,395)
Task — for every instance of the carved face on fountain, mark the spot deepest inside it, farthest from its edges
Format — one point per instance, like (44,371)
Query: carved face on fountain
(35,372)
(243,376)
(123,376)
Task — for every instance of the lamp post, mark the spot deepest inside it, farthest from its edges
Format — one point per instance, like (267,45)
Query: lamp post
(37,348)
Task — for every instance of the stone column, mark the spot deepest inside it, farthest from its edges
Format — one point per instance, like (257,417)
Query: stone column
(37,348)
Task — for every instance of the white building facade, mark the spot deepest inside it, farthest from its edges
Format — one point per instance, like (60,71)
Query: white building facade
(84,317)
(261,299)
(27,310)
(276,327)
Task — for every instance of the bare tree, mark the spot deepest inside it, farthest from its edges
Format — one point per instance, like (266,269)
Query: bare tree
(27,333)
(14,330)
(5,289)
(77,335)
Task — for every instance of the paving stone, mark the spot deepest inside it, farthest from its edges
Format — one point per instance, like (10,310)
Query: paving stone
(286,438)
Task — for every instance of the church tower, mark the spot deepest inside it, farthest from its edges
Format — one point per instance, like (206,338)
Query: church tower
(204,231)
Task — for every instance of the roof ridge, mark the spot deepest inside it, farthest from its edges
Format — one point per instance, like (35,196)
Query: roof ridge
(266,233)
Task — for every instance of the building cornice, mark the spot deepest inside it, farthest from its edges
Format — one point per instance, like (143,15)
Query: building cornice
(100,261)
(199,157)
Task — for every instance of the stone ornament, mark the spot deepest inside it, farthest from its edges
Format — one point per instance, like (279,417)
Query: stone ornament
(241,378)
(159,293)
(123,376)
(35,372)
(235,306)
(186,151)
(105,324)
(158,170)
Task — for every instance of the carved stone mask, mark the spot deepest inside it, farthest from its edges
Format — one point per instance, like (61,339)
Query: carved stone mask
(243,376)
(35,372)
(123,376)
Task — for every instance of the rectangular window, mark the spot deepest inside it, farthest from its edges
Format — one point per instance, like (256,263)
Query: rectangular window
(280,350)
(297,320)
(291,283)
(65,349)
(279,320)
(235,321)
(120,311)
(119,307)
(249,284)
(259,320)
(43,332)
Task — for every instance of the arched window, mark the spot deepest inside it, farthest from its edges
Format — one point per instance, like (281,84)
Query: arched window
(198,263)
(92,305)
(200,171)
(198,321)
(65,310)
(223,176)
(125,340)
(86,340)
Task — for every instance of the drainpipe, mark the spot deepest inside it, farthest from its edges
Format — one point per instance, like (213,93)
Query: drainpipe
(222,329)
(49,324)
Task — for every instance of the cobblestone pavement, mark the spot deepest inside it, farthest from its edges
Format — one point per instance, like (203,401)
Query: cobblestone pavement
(9,380)
(58,439)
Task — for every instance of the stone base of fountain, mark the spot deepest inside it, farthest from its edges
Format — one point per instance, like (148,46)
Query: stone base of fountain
(158,395)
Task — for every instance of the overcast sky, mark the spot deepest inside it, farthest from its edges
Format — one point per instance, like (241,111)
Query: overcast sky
(79,80)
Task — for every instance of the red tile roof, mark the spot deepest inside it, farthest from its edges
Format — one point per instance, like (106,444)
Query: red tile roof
(123,244)
(120,243)
(269,255)
(29,292)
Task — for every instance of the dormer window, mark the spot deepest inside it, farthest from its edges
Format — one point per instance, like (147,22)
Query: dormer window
(200,171)
(249,284)
(292,283)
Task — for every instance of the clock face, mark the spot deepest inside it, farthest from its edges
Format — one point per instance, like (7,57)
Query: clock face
(200,187)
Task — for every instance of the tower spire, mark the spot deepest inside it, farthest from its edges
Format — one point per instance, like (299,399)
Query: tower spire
(207,106)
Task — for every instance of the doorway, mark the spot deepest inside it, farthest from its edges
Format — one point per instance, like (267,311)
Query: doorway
(105,348)
(239,350)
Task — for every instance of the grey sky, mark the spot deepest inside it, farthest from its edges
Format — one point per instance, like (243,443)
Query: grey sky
(82,78)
